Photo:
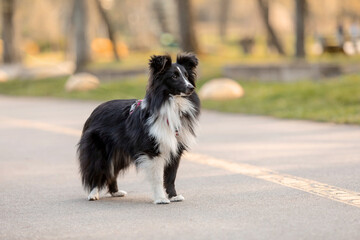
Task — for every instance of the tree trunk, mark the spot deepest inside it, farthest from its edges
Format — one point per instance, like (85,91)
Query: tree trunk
(223,18)
(188,41)
(9,52)
(269,40)
(161,16)
(109,27)
(300,9)
(263,6)
(82,54)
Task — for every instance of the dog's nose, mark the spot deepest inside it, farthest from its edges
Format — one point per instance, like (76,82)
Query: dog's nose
(190,88)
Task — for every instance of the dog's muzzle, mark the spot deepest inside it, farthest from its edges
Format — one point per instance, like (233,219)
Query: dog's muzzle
(189,89)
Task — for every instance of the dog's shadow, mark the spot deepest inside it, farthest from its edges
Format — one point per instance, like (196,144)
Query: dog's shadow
(107,200)
(133,200)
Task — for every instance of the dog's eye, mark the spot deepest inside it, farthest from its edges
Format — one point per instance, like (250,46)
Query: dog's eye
(186,75)
(174,76)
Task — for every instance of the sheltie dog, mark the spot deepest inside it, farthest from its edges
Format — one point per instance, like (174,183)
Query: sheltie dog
(151,133)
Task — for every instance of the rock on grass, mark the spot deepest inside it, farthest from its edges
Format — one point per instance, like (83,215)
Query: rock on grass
(82,82)
(221,89)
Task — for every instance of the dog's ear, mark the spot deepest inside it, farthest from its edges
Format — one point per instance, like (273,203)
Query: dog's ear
(158,64)
(189,61)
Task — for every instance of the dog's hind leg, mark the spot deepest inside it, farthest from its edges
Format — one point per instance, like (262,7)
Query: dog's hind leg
(94,194)
(114,191)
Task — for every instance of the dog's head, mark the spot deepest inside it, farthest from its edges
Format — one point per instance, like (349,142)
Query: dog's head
(176,78)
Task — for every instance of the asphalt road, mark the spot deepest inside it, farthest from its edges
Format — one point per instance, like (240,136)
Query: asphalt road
(256,178)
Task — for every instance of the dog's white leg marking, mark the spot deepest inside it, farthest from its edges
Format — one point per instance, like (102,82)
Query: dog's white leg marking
(177,198)
(119,193)
(94,194)
(154,170)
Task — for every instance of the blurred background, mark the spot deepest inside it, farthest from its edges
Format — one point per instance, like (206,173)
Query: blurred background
(285,58)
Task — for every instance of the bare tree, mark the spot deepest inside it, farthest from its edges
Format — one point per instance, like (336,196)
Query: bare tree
(82,53)
(223,17)
(188,41)
(109,27)
(9,51)
(300,9)
(264,12)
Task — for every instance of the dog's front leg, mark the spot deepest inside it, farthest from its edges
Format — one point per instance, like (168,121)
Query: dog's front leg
(169,179)
(154,169)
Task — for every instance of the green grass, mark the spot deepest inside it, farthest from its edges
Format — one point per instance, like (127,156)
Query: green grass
(334,100)
(130,88)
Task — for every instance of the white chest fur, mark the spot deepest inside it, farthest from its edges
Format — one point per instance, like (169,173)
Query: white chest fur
(171,119)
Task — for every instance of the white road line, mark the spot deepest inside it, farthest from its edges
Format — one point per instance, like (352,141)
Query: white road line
(40,126)
(303,184)
(306,185)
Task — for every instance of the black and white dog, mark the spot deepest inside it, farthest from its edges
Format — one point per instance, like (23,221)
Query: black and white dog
(152,133)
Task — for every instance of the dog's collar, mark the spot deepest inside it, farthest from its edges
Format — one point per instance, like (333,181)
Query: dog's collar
(135,105)
(138,103)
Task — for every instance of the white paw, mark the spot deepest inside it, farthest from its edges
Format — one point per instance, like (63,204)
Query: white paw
(162,201)
(120,193)
(93,196)
(177,198)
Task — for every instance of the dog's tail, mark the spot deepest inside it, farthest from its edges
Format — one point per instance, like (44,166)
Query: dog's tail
(95,164)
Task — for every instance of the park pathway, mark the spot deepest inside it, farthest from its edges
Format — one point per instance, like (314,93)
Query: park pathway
(249,177)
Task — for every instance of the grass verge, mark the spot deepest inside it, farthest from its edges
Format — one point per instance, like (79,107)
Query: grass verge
(334,100)
(54,87)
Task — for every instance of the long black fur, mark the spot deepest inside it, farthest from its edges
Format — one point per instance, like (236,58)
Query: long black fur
(112,138)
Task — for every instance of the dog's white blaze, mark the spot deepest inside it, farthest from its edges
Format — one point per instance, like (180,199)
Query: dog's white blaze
(154,170)
(187,83)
